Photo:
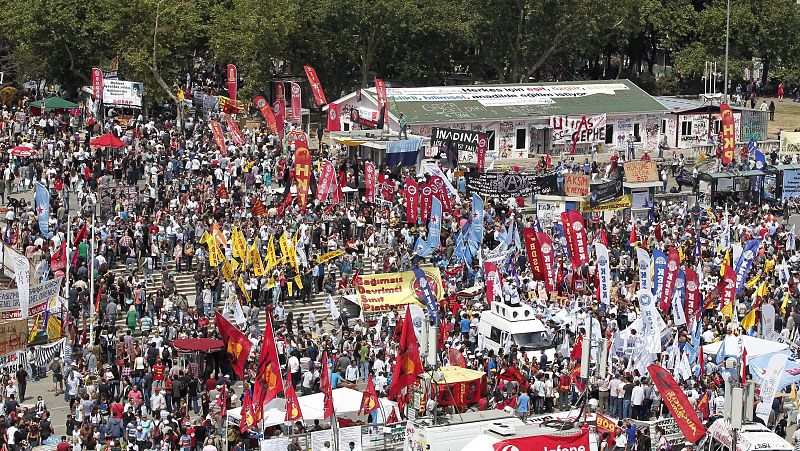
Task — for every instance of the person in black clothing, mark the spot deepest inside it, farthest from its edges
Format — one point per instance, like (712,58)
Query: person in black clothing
(22,383)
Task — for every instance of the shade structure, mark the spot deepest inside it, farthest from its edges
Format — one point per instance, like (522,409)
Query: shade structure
(53,103)
(107,140)
(23,150)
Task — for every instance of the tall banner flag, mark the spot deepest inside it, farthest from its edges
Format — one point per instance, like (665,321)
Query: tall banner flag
(233,76)
(425,201)
(745,262)
(644,269)
(58,260)
(670,276)
(435,224)
(576,237)
(677,403)
(326,388)
(411,194)
(477,218)
(533,250)
(369,182)
(603,272)
(728,289)
(302,173)
(791,242)
(316,86)
(248,420)
(296,104)
(728,133)
(769,385)
(327,179)
(380,90)
(547,254)
(219,138)
(693,297)
(407,362)
(237,345)
(334,116)
(41,198)
(267,113)
(424,285)
(494,284)
(293,412)
(279,107)
(369,400)
(659,272)
(97,83)
(268,380)
(483,145)
(678,308)
(236,133)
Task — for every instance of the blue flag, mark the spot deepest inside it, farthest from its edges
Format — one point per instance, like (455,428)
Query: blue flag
(42,201)
(745,262)
(478,213)
(761,160)
(659,271)
(435,224)
(422,248)
(427,295)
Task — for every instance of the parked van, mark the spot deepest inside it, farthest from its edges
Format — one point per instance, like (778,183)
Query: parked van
(751,437)
(525,330)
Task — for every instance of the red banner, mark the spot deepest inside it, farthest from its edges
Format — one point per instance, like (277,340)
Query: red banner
(577,442)
(693,297)
(326,388)
(267,113)
(334,115)
(316,86)
(232,81)
(327,179)
(97,84)
(296,107)
(380,89)
(728,286)
(426,200)
(279,107)
(728,133)
(483,144)
(493,283)
(369,182)
(302,172)
(59,259)
(219,138)
(548,260)
(237,345)
(236,133)
(268,382)
(603,424)
(677,403)
(575,232)
(411,193)
(532,249)
(671,274)
(440,192)
(460,393)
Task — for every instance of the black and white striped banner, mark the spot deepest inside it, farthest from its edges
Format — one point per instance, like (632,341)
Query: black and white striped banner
(47,353)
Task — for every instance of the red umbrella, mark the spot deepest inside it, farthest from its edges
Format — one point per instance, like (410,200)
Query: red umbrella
(107,140)
(23,151)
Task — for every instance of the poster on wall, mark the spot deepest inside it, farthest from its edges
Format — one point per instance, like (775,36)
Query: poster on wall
(769,186)
(350,438)
(510,184)
(578,129)
(640,200)
(122,93)
(791,184)
(790,143)
(458,146)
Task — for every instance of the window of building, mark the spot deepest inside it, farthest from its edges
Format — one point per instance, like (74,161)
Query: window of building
(490,138)
(637,132)
(522,139)
(609,133)
(686,128)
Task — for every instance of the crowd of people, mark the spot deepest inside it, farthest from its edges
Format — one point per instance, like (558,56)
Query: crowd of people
(127,215)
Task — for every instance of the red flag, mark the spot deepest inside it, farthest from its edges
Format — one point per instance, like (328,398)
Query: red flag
(670,276)
(380,89)
(268,381)
(407,364)
(256,407)
(693,296)
(369,400)
(369,182)
(269,116)
(701,361)
(703,405)
(236,344)
(511,373)
(222,401)
(248,421)
(80,236)
(576,379)
(59,259)
(483,144)
(729,286)
(232,81)
(316,86)
(293,412)
(326,389)
(302,173)
(677,403)
(258,208)
(219,139)
(532,249)
(657,232)
(456,358)
(576,237)
(745,361)
(326,181)
(236,133)
(494,284)
(603,237)
(392,418)
(97,83)
(222,192)
(548,259)
(577,349)
(425,201)
(279,107)
(728,133)
(603,424)
(411,195)
(296,102)
(632,239)
(334,117)
(97,298)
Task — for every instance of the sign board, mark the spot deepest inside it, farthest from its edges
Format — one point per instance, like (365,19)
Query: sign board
(641,171)
(791,184)
(40,295)
(576,185)
(460,143)
(620,203)
(790,143)
(549,212)
(578,129)
(382,292)
(13,335)
(122,93)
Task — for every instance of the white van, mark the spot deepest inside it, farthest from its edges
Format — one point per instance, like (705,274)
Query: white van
(751,437)
(526,330)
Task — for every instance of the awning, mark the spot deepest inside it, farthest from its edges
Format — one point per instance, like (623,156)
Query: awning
(53,103)
(107,140)
(348,142)
(449,374)
(198,344)
(755,347)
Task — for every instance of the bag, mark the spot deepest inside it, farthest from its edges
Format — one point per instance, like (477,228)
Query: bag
(188,250)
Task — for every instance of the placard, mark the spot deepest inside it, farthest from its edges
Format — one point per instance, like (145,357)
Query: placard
(350,435)
(576,185)
(605,191)
(620,203)
(641,171)
(511,184)
(791,184)
(13,336)
(122,93)
(383,292)
(460,145)
(318,439)
(39,296)
(790,143)
(578,129)
(549,212)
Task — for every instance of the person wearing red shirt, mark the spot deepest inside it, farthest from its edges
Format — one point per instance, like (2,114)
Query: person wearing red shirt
(63,445)
(158,374)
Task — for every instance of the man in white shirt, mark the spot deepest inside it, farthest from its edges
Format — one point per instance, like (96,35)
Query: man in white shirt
(637,400)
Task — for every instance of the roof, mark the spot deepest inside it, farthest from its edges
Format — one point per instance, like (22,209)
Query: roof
(52,103)
(782,167)
(679,105)
(480,103)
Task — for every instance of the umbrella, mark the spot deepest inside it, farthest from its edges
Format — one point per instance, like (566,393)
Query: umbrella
(39,241)
(23,150)
(107,140)
(80,284)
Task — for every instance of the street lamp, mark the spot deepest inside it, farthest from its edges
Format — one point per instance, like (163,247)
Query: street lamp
(727,45)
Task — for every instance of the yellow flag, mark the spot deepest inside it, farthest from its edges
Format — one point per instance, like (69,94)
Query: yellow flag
(53,328)
(727,310)
(298,282)
(244,289)
(725,261)
(283,241)
(762,290)
(234,264)
(255,259)
(214,254)
(769,265)
(793,395)
(288,251)
(272,259)
(217,233)
(205,238)
(289,287)
(227,270)
(35,330)
(271,282)
(239,246)
(785,303)
(749,320)
(752,282)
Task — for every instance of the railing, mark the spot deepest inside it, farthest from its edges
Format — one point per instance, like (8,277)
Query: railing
(366,438)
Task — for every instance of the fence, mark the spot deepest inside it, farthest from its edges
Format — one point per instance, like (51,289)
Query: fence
(365,438)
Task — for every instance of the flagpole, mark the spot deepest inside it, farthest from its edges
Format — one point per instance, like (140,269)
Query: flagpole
(67,256)
(90,255)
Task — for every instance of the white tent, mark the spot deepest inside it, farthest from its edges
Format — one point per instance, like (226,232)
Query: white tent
(346,402)
(756,347)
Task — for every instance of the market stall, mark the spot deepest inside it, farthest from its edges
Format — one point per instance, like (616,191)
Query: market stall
(455,386)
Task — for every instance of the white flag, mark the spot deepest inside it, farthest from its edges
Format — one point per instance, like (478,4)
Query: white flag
(790,240)
(331,307)
(603,272)
(769,385)
(644,269)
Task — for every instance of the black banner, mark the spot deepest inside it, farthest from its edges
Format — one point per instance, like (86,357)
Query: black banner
(510,184)
(460,146)
(605,191)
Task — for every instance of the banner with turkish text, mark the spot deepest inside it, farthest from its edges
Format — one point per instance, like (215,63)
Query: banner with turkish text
(232,81)
(219,138)
(279,107)
(603,272)
(483,145)
(326,182)
(269,115)
(236,133)
(576,237)
(369,182)
(296,104)
(677,403)
(426,200)
(728,286)
(316,86)
(411,194)
(728,133)
(380,89)
(97,83)
(694,298)
(547,253)
(302,173)
(670,275)
(334,117)
(532,250)
(577,442)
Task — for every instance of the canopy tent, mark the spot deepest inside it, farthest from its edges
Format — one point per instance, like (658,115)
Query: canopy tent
(346,402)
(345,141)
(457,386)
(107,140)
(449,374)
(198,344)
(756,347)
(53,103)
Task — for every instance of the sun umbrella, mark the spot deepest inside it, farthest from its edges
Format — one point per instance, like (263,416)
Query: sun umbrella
(23,150)
(107,140)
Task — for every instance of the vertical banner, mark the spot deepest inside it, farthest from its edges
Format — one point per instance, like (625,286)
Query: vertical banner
(302,173)
(440,192)
(644,269)
(411,194)
(769,385)
(233,76)
(279,107)
(380,89)
(532,249)
(677,305)
(767,320)
(296,104)
(483,144)
(678,404)
(428,297)
(546,252)
(693,296)
(426,200)
(219,139)
(316,86)
(745,262)
(659,271)
(369,182)
(269,116)
(236,133)
(41,200)
(728,133)
(334,117)
(576,237)
(670,276)
(326,181)
(603,272)
(97,83)
(494,288)
(435,224)
(22,275)
(728,286)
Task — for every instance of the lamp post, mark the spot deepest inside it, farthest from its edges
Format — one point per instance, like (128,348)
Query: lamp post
(727,46)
